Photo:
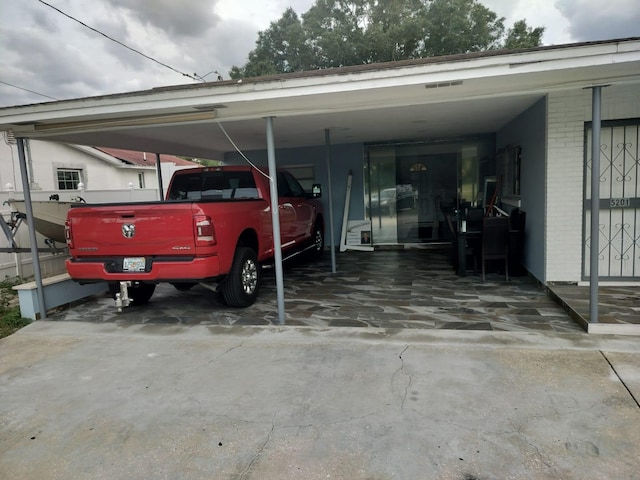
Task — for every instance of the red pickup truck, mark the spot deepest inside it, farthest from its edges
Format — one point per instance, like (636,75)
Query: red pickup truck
(214,228)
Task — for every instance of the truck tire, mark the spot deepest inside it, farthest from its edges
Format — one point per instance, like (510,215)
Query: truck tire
(318,241)
(240,288)
(140,293)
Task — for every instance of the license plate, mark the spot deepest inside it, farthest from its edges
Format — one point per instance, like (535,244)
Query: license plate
(134,264)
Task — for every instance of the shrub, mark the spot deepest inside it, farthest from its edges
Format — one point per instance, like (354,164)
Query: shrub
(10,319)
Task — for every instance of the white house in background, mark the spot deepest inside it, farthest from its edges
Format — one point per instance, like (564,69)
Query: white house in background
(60,166)
(95,174)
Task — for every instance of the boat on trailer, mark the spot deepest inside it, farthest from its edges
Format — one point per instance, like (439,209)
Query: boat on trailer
(48,216)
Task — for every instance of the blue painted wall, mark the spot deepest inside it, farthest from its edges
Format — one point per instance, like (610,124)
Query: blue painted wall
(528,131)
(343,159)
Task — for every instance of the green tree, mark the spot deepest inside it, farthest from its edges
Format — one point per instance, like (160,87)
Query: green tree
(334,33)
(460,26)
(395,30)
(523,36)
(281,48)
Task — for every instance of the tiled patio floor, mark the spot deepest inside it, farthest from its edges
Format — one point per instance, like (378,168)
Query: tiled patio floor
(618,307)
(411,288)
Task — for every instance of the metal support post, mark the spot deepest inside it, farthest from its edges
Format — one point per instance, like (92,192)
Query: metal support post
(275,219)
(327,141)
(595,203)
(32,231)
(159,173)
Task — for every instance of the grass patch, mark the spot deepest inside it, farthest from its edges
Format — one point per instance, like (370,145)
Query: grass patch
(10,319)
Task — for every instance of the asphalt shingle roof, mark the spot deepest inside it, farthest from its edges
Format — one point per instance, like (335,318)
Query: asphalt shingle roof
(144,158)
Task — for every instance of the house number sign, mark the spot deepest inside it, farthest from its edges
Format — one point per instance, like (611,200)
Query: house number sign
(619,202)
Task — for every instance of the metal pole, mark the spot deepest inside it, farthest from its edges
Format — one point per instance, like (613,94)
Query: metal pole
(595,204)
(327,141)
(275,220)
(32,231)
(29,159)
(159,173)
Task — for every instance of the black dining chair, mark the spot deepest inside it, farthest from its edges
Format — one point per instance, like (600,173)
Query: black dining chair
(474,218)
(495,242)
(470,251)
(453,234)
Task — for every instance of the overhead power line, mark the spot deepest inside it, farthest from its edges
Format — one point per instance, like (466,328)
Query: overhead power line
(27,90)
(117,41)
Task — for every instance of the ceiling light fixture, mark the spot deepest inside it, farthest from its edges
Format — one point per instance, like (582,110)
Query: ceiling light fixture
(453,83)
(140,121)
(208,108)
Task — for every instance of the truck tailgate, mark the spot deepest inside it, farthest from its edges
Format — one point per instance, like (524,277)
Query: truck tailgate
(163,228)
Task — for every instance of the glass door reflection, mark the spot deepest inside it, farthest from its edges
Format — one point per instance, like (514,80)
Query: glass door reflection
(380,188)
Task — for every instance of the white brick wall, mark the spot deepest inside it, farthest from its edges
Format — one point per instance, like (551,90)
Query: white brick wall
(566,114)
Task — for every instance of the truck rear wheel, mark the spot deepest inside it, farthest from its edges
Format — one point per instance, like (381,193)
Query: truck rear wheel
(240,288)
(140,293)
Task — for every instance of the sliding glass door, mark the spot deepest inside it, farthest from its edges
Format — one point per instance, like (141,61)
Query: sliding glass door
(410,188)
(381,195)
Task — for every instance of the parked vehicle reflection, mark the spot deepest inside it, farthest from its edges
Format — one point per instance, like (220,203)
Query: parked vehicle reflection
(391,200)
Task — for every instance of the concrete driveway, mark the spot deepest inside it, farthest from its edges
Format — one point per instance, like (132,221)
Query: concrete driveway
(133,401)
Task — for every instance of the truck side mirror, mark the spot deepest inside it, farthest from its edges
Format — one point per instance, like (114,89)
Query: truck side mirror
(316,190)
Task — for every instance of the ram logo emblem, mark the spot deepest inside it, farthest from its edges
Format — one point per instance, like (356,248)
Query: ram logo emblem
(128,230)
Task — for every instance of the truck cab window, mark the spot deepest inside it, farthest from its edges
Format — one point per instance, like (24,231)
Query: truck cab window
(283,186)
(219,185)
(288,186)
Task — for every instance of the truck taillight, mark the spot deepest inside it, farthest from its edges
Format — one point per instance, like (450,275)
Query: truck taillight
(67,234)
(203,229)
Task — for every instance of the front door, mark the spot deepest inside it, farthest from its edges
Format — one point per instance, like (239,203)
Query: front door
(619,220)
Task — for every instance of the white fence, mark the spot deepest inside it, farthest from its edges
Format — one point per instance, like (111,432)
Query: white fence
(52,262)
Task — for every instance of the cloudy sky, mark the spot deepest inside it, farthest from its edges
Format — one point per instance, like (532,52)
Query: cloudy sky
(46,54)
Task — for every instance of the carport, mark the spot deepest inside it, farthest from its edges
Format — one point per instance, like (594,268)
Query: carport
(390,289)
(400,101)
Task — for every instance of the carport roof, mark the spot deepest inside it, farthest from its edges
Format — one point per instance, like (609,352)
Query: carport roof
(406,100)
